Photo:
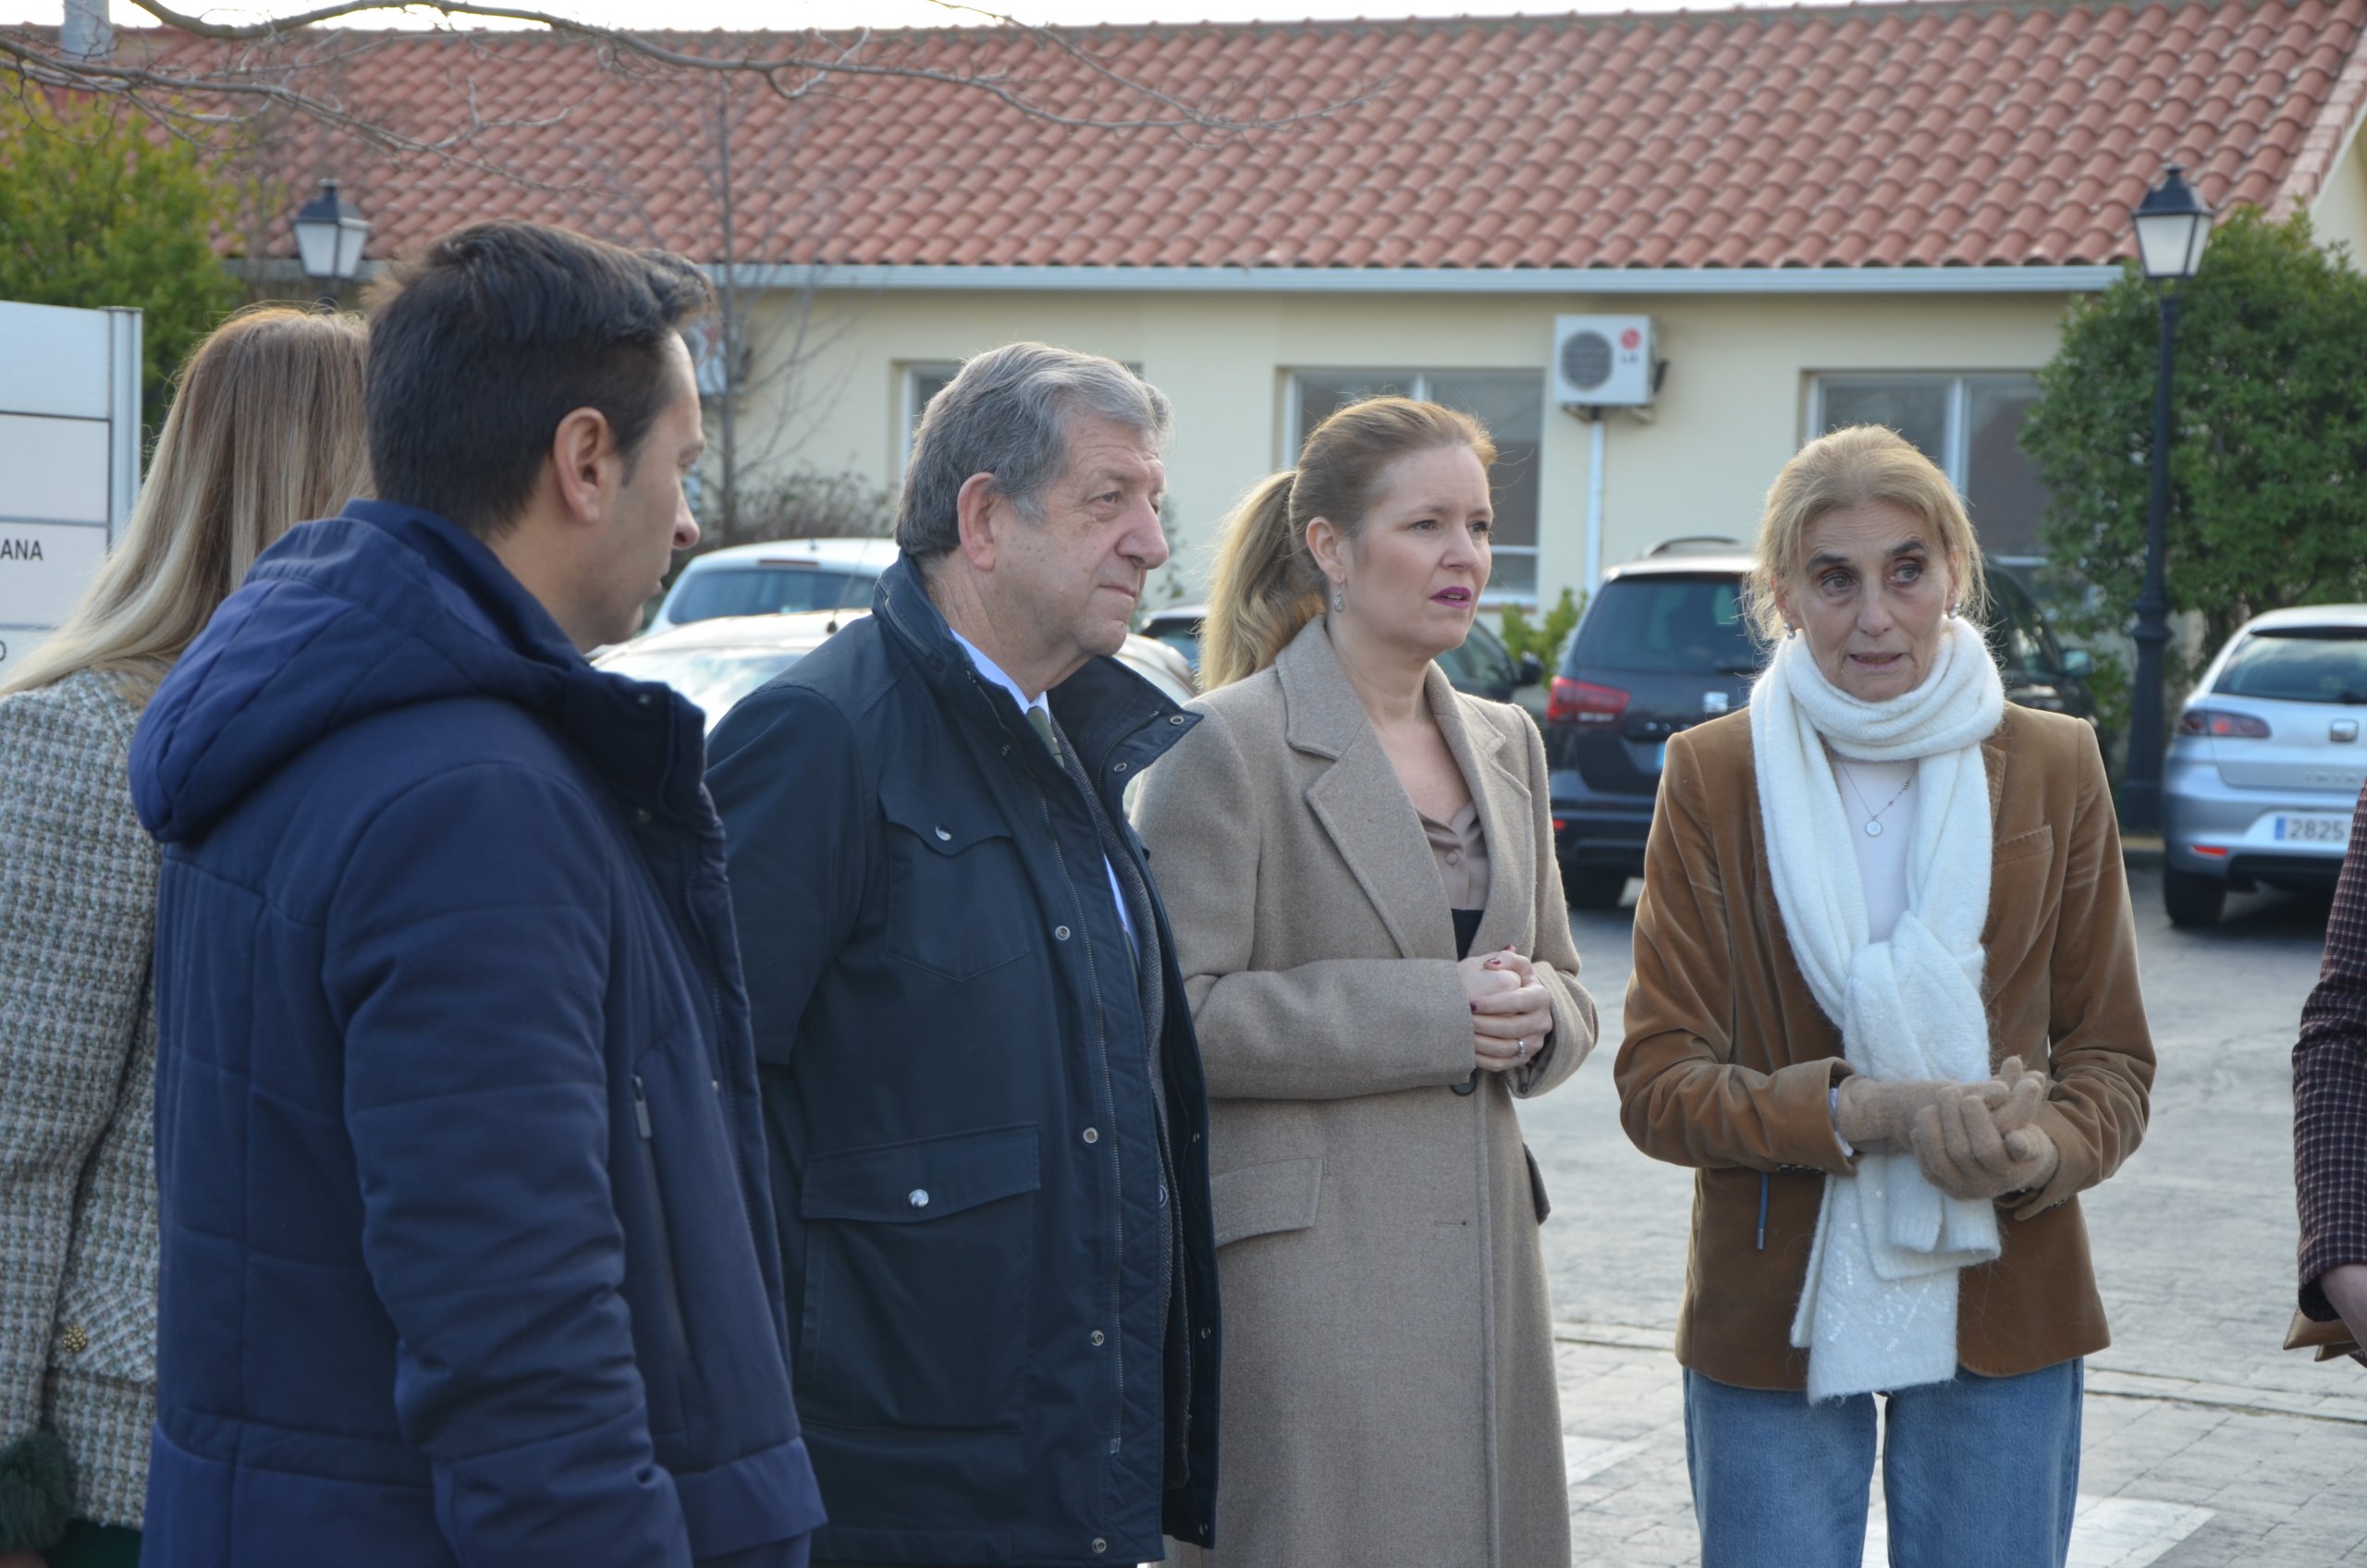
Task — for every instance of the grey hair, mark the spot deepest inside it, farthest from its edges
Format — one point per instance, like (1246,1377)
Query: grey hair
(1007,414)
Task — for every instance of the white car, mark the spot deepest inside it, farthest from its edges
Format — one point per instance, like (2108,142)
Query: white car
(717,662)
(2267,762)
(783,578)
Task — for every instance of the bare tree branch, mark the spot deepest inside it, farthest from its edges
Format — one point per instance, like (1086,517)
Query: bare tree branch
(191,104)
(200,89)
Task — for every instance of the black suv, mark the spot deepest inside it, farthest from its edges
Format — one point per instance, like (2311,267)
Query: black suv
(1662,646)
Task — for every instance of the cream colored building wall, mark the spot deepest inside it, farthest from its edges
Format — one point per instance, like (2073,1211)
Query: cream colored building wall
(1731,409)
(2340,212)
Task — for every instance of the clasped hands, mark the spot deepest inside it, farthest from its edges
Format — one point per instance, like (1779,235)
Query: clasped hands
(1974,1141)
(1511,1014)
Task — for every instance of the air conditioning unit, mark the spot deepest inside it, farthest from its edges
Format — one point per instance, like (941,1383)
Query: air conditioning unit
(1603,361)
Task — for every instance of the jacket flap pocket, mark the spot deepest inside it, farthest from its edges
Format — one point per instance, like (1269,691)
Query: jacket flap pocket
(948,827)
(1258,1200)
(910,1184)
(2037,842)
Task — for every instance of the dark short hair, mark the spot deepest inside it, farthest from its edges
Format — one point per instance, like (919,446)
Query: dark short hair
(484,340)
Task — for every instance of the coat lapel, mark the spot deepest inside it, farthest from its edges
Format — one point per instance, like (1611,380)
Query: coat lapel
(1503,799)
(1358,801)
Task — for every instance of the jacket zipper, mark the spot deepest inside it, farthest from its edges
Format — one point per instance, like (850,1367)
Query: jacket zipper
(665,1241)
(710,970)
(728,1114)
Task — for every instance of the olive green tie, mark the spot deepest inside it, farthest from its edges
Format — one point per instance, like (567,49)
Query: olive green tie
(1042,719)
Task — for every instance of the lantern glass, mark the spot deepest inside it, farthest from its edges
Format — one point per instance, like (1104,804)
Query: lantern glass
(351,233)
(2171,243)
(316,243)
(329,235)
(2173,224)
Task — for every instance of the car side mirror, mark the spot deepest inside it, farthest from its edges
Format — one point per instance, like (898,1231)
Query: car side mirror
(1530,671)
(2079,662)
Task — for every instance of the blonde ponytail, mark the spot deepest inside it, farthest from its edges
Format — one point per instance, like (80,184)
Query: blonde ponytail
(1266,586)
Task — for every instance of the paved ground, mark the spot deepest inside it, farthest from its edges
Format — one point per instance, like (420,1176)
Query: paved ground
(2205,1444)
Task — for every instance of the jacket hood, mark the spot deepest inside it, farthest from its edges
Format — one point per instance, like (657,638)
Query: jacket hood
(377,607)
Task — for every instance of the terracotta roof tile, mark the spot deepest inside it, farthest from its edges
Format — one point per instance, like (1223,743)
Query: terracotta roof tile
(1964,132)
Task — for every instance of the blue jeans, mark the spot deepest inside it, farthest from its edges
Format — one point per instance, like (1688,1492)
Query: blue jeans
(1979,1472)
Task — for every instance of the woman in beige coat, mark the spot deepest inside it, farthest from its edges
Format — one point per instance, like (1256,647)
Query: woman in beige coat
(1358,864)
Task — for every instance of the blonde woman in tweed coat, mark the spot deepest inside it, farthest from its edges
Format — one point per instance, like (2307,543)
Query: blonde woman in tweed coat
(265,432)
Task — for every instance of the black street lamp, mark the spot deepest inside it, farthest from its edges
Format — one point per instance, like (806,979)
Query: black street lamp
(2172,226)
(329,232)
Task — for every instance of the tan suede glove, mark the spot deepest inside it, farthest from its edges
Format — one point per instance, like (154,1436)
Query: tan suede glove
(1973,1152)
(1883,1110)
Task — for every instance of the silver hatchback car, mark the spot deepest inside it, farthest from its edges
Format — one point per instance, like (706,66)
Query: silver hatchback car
(2267,762)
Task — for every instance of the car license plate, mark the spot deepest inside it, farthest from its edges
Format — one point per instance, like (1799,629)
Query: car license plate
(2293,829)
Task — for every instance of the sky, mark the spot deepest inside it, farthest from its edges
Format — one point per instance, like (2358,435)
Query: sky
(924,13)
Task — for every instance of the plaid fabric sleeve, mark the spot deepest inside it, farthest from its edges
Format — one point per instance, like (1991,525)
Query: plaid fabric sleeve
(2330,1089)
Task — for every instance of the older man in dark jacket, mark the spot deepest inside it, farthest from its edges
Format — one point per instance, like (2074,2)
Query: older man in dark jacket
(987,1117)
(467,1256)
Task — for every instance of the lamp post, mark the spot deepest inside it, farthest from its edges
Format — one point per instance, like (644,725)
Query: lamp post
(329,233)
(2172,224)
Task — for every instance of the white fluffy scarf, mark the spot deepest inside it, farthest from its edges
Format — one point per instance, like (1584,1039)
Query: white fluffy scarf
(1879,1310)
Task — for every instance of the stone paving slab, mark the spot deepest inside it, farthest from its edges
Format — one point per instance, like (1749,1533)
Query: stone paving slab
(2164,1481)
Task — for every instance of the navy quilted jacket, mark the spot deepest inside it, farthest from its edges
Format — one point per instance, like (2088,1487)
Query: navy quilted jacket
(467,1252)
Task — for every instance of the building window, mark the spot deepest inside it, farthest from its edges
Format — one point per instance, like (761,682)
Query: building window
(1968,426)
(1510,403)
(921,383)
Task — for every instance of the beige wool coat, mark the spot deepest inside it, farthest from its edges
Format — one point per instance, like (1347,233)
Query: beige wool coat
(1388,1390)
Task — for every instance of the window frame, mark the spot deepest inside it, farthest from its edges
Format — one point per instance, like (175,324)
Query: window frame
(1417,386)
(908,402)
(1959,417)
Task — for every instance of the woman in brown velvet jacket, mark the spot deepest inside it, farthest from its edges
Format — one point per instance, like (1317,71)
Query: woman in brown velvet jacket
(1886,1203)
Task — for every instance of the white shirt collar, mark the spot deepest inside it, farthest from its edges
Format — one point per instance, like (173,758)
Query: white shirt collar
(994,672)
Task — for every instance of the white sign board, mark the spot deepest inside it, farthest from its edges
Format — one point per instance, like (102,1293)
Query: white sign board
(69,458)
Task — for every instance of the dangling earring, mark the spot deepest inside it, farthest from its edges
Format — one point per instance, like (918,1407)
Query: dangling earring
(1951,612)
(1790,632)
(1339,598)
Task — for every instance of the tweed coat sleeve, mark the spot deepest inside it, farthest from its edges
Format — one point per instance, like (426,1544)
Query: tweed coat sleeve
(2330,1090)
(1556,956)
(1331,1028)
(78,895)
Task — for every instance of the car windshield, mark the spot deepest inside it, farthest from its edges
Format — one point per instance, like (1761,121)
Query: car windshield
(766,588)
(2300,664)
(2016,629)
(713,678)
(1184,639)
(1667,623)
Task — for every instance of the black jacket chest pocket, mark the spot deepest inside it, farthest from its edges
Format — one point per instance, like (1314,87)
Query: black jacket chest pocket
(958,899)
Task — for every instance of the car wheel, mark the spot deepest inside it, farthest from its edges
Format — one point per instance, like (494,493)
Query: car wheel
(2191,898)
(1592,887)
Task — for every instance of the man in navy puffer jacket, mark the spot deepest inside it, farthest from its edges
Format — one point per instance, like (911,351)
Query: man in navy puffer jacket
(468,1255)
